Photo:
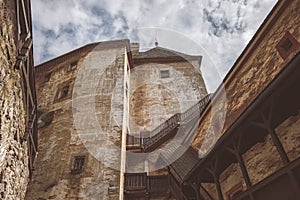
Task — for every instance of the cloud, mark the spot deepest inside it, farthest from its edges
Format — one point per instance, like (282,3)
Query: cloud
(222,28)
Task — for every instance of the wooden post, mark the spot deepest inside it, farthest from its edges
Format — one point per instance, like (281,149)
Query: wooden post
(267,125)
(218,186)
(213,172)
(279,146)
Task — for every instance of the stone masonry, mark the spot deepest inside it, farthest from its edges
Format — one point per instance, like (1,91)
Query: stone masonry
(80,107)
(82,101)
(14,171)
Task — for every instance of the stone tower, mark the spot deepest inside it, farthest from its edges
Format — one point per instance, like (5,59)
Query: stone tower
(91,101)
(163,83)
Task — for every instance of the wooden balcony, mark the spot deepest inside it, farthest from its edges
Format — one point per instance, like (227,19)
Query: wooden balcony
(135,182)
(141,185)
(133,142)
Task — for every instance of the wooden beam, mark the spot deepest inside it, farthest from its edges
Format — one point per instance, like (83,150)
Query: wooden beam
(218,186)
(212,170)
(27,84)
(281,172)
(24,16)
(244,170)
(294,181)
(18,21)
(267,125)
(196,189)
(279,147)
(236,149)
(206,192)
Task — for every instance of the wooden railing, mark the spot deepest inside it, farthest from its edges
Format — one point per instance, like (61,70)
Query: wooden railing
(168,126)
(132,142)
(167,129)
(196,110)
(140,183)
(158,184)
(135,182)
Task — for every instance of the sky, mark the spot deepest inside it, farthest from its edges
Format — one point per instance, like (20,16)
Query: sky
(218,29)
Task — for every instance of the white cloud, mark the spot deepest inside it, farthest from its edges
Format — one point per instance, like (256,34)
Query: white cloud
(222,28)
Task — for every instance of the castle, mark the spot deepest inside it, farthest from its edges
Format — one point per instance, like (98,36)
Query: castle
(111,122)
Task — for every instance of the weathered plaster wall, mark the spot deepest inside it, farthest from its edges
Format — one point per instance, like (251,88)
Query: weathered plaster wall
(13,149)
(154,99)
(61,139)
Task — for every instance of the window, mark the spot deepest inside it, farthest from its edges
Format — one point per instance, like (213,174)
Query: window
(77,165)
(64,92)
(164,73)
(46,119)
(47,78)
(287,45)
(72,66)
(113,187)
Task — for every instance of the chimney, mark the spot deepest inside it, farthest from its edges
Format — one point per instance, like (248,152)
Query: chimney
(135,47)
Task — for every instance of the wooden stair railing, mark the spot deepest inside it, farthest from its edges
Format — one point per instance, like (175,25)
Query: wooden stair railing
(168,129)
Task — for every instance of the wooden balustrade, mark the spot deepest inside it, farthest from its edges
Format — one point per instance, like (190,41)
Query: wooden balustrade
(135,182)
(140,183)
(164,130)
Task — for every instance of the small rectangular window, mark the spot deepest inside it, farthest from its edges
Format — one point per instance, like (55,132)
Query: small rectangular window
(72,66)
(78,163)
(47,78)
(287,45)
(164,73)
(113,187)
(64,92)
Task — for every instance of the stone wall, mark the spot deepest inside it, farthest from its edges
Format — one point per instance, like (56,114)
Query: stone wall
(154,99)
(81,98)
(289,135)
(262,159)
(13,149)
(84,122)
(230,177)
(253,71)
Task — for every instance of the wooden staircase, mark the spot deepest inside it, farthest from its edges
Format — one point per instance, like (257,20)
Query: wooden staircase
(169,128)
